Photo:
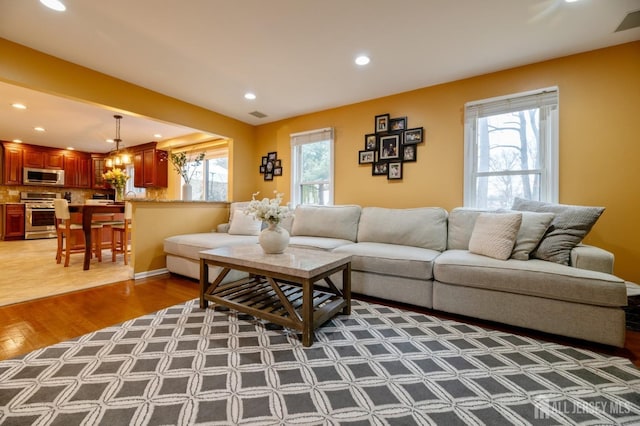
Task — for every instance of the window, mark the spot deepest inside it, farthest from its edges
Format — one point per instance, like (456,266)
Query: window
(511,149)
(312,167)
(210,180)
(129,189)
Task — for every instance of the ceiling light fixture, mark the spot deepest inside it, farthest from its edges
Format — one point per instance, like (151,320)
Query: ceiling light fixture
(362,60)
(19,106)
(56,5)
(17,140)
(39,129)
(250,96)
(116,157)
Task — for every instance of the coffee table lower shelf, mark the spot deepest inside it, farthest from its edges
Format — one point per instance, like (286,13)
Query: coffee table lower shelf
(256,296)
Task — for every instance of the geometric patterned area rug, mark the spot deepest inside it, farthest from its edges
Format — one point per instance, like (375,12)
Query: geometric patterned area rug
(380,365)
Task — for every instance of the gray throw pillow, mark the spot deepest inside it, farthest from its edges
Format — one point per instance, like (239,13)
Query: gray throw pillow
(532,229)
(568,228)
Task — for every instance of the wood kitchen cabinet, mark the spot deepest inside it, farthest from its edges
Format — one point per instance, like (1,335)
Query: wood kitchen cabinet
(98,167)
(12,155)
(150,166)
(13,219)
(43,158)
(77,170)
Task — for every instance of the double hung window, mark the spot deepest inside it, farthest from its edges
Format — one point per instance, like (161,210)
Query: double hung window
(511,149)
(312,167)
(210,179)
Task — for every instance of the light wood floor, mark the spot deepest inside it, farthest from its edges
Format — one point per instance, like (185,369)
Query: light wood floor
(29,271)
(31,325)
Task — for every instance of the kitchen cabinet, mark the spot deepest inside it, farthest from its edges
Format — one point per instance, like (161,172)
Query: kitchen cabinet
(150,166)
(13,219)
(43,158)
(98,167)
(77,170)
(12,154)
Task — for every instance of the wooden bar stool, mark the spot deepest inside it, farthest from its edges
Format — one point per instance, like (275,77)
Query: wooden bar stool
(64,226)
(120,235)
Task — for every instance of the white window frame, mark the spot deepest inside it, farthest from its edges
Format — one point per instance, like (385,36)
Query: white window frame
(547,100)
(297,141)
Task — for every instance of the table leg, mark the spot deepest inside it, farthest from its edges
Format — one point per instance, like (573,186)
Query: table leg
(204,280)
(307,313)
(86,228)
(346,289)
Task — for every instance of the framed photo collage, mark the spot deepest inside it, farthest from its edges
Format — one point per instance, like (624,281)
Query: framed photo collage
(390,146)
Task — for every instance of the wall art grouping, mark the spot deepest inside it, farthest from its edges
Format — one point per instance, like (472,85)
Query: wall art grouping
(271,166)
(390,146)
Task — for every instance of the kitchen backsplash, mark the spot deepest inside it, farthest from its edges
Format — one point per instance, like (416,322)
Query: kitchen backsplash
(11,194)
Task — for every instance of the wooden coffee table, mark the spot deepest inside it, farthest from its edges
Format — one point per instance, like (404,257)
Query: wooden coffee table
(280,287)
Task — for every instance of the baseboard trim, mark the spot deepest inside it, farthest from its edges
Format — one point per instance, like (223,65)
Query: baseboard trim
(147,274)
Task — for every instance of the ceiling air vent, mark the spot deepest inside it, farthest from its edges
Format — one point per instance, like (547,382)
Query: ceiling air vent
(632,20)
(258,114)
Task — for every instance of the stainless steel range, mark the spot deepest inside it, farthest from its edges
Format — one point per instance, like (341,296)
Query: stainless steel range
(40,216)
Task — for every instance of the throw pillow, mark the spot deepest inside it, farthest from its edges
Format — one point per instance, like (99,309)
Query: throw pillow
(244,224)
(532,229)
(494,234)
(567,229)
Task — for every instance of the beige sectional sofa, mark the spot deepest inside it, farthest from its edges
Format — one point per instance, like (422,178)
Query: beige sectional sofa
(421,256)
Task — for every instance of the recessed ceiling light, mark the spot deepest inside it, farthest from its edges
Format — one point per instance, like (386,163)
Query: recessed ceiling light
(109,140)
(39,129)
(157,135)
(70,148)
(54,4)
(17,140)
(362,60)
(570,1)
(19,106)
(250,96)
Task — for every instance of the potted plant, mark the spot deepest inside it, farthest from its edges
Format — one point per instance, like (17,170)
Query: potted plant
(186,166)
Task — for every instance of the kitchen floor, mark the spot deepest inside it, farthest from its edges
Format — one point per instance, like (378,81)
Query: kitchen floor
(28,270)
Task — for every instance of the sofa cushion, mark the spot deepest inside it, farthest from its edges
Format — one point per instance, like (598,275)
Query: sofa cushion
(494,234)
(532,229)
(568,227)
(424,227)
(327,221)
(244,224)
(533,277)
(320,243)
(461,221)
(391,259)
(189,245)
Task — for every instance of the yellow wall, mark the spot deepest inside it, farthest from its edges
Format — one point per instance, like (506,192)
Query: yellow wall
(29,68)
(599,93)
(599,149)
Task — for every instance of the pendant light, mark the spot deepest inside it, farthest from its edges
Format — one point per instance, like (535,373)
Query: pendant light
(118,158)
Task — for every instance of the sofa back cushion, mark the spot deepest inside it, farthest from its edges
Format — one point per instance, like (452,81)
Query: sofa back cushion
(327,221)
(461,223)
(424,227)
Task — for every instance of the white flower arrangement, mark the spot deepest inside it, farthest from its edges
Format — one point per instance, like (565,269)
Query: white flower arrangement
(268,210)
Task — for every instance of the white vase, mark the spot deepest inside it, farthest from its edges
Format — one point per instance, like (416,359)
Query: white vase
(274,239)
(186,191)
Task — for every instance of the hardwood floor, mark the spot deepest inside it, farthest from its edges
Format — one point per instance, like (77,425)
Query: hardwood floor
(27,326)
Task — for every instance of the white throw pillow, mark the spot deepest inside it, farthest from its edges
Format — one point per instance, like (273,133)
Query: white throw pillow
(494,234)
(244,224)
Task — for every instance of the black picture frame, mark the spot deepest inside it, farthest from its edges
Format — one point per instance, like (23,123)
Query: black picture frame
(389,147)
(382,123)
(264,161)
(271,156)
(366,156)
(370,142)
(380,169)
(413,136)
(394,170)
(277,171)
(397,124)
(269,167)
(409,153)
(268,176)
(262,169)
(278,163)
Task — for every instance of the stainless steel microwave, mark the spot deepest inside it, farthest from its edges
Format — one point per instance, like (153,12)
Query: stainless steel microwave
(31,176)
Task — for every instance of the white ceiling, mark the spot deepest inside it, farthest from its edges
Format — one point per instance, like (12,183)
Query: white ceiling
(295,55)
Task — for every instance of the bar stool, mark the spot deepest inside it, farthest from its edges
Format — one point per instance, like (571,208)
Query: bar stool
(64,226)
(120,235)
